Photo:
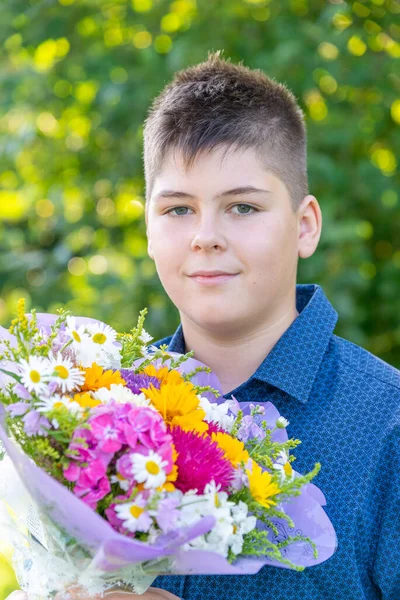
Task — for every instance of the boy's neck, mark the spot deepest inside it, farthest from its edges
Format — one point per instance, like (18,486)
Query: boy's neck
(234,360)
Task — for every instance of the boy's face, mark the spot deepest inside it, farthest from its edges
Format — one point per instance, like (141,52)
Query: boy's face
(253,236)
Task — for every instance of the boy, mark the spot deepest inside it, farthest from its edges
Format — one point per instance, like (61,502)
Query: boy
(228,214)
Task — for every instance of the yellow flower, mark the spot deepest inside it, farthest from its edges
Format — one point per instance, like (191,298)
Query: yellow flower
(261,485)
(234,449)
(96,378)
(179,405)
(86,401)
(163,375)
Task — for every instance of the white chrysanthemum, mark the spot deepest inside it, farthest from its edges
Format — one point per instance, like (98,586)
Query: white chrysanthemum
(49,403)
(121,480)
(35,373)
(217,413)
(120,394)
(133,515)
(284,467)
(149,469)
(65,374)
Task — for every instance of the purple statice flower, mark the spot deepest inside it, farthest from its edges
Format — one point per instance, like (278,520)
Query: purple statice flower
(135,382)
(18,408)
(249,429)
(35,424)
(21,391)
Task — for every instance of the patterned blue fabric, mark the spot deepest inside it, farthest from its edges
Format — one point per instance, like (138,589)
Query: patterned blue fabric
(344,404)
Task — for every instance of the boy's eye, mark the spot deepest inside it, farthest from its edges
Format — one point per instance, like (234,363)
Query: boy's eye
(180,211)
(244,209)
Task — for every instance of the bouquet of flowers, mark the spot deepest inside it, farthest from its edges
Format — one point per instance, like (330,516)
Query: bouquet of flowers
(135,466)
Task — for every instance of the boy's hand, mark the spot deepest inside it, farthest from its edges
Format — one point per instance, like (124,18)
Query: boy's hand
(151,594)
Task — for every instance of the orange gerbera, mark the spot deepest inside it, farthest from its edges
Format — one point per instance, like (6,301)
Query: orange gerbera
(179,405)
(96,378)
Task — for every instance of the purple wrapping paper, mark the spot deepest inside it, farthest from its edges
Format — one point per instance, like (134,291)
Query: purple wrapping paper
(111,550)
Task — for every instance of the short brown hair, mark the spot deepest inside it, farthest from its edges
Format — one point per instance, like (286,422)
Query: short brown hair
(216,104)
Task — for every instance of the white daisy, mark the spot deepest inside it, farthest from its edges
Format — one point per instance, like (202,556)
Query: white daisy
(49,403)
(65,374)
(145,337)
(133,515)
(282,423)
(120,394)
(77,334)
(102,335)
(121,480)
(149,469)
(35,373)
(284,467)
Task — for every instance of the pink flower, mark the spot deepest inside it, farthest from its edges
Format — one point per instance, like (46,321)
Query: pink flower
(200,461)
(108,436)
(95,493)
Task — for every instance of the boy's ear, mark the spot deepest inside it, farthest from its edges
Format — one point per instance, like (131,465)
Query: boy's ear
(310,226)
(149,249)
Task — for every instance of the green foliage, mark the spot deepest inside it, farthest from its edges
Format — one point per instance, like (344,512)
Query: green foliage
(77,80)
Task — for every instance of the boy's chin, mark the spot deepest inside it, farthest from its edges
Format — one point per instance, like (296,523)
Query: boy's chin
(218,320)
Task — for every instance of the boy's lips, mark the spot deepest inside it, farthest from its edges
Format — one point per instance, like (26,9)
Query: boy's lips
(212,277)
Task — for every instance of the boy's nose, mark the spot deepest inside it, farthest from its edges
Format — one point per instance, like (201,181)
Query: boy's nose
(208,236)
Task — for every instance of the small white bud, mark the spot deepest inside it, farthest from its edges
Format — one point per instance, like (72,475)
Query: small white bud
(282,423)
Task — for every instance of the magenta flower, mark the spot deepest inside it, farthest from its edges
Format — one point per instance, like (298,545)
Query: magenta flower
(108,436)
(200,460)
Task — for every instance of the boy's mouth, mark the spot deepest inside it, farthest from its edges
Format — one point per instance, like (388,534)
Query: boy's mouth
(212,277)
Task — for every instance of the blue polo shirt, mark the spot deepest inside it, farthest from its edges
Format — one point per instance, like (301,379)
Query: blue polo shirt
(344,404)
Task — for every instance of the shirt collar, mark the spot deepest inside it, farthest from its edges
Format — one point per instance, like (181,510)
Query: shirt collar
(294,361)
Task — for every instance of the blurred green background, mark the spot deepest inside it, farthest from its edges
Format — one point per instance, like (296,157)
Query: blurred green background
(76,80)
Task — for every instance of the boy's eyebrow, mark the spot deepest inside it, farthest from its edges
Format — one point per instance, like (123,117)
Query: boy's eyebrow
(248,189)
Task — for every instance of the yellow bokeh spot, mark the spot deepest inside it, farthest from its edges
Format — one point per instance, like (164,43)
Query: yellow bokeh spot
(328,51)
(44,208)
(77,266)
(142,39)
(129,208)
(80,126)
(356,46)
(85,92)
(98,264)
(364,230)
(316,105)
(261,14)
(341,21)
(395,111)
(13,205)
(371,27)
(73,204)
(361,10)
(328,84)
(86,26)
(142,6)
(48,52)
(171,22)
(163,44)
(384,159)
(9,180)
(47,124)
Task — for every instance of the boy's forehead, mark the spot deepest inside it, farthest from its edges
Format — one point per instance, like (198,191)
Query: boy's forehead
(214,169)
